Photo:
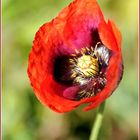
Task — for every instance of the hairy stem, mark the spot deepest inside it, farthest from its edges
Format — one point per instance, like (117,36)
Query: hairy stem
(97,124)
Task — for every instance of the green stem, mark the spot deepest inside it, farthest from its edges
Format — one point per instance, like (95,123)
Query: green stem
(97,124)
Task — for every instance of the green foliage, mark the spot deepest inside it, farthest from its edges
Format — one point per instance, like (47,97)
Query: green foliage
(24,118)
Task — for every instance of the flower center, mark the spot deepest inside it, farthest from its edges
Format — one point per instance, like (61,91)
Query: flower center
(86,69)
(88,65)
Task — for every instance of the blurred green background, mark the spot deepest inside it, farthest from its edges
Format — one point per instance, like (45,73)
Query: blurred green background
(24,117)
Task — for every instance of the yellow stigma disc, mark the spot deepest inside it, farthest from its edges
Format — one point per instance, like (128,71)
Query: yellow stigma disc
(88,65)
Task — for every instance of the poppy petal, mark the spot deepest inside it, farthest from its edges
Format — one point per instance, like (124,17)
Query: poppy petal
(77,26)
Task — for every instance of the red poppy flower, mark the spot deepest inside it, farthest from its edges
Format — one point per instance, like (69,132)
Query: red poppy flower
(76,58)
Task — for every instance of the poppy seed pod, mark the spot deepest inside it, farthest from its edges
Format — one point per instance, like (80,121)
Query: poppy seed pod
(76,58)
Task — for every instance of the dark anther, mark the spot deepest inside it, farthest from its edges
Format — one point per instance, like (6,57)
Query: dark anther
(85,68)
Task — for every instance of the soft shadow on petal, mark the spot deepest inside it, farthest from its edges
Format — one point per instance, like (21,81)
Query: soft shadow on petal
(74,27)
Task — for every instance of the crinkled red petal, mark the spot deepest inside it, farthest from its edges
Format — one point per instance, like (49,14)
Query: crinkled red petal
(69,30)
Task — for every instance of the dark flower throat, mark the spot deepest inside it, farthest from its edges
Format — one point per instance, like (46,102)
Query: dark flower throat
(85,68)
